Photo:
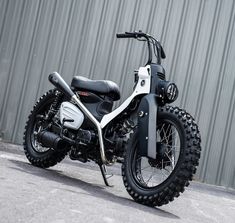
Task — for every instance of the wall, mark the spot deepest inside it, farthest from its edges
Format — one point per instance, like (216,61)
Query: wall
(78,37)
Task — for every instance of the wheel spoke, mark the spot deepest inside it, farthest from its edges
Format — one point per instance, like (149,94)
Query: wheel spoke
(165,133)
(145,167)
(171,160)
(37,146)
(166,138)
(150,176)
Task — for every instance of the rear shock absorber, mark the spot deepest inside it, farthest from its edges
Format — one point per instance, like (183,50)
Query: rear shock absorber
(55,105)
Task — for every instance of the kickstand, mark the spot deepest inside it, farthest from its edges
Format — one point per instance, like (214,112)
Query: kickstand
(105,175)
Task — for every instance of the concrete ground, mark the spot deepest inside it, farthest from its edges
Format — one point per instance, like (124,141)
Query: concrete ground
(75,192)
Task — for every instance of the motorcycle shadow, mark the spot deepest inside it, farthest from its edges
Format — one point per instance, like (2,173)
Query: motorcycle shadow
(92,189)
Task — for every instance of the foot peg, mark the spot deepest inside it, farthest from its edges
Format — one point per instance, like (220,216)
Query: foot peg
(105,175)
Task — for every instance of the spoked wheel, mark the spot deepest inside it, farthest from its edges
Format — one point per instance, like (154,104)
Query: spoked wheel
(150,172)
(37,154)
(157,181)
(38,126)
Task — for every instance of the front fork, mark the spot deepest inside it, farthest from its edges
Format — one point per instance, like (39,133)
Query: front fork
(147,125)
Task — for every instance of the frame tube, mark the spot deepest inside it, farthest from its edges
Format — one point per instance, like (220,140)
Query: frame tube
(97,124)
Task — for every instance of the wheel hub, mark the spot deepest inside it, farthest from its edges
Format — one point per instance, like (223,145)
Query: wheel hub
(161,159)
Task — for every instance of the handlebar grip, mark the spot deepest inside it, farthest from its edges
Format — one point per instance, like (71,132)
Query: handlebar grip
(126,35)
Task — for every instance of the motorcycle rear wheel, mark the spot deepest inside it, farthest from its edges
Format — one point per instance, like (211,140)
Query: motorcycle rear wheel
(36,154)
(157,182)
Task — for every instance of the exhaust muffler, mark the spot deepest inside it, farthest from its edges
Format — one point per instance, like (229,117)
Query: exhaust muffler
(51,140)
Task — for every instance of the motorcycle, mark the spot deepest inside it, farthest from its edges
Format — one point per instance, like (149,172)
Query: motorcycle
(158,145)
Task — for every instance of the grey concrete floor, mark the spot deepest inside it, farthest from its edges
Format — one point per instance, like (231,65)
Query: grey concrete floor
(74,192)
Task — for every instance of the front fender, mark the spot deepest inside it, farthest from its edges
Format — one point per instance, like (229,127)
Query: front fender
(147,122)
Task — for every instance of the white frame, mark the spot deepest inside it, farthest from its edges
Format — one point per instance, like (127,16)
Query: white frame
(142,87)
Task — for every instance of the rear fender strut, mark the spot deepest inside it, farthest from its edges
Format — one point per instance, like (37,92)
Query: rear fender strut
(147,122)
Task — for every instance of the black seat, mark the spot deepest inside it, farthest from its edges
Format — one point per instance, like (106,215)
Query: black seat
(102,87)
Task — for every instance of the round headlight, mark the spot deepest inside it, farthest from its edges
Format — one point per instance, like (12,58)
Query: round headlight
(167,91)
(171,92)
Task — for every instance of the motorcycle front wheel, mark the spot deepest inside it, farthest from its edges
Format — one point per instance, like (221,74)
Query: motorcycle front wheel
(155,182)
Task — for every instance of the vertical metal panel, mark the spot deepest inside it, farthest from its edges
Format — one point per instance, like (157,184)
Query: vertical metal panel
(78,37)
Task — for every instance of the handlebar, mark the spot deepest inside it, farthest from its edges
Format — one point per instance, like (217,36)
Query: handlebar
(137,35)
(149,39)
(125,35)
(132,35)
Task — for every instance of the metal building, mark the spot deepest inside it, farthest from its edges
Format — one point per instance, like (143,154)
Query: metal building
(78,37)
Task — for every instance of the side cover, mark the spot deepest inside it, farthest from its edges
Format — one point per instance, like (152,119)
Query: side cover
(69,111)
(147,122)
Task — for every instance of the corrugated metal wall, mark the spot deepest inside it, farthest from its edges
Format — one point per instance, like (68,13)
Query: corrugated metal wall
(78,37)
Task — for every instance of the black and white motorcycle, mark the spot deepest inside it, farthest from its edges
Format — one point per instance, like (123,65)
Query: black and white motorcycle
(157,144)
